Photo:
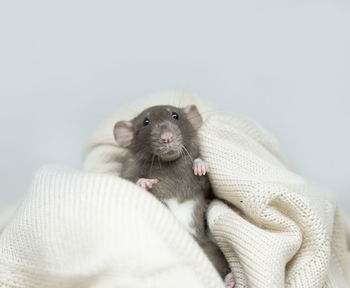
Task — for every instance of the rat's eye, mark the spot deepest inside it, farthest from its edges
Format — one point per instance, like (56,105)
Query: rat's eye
(146,122)
(175,116)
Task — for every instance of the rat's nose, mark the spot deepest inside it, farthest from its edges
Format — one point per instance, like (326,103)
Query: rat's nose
(166,137)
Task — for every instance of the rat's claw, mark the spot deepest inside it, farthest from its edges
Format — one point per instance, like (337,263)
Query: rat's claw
(229,281)
(200,167)
(146,183)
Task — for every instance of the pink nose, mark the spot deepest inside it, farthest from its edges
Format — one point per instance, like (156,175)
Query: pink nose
(166,137)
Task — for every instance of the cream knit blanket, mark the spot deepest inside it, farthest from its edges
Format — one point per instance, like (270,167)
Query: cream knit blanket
(93,229)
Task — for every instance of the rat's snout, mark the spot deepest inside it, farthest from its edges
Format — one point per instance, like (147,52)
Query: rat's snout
(166,137)
(166,141)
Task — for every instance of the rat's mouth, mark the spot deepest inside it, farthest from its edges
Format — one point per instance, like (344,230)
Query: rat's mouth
(170,155)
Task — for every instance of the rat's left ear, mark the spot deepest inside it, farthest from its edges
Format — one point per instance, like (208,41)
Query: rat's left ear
(192,114)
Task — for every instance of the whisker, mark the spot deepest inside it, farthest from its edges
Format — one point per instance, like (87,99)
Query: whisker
(182,152)
(187,152)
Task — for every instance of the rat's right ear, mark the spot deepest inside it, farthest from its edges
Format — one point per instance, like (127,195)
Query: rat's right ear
(123,133)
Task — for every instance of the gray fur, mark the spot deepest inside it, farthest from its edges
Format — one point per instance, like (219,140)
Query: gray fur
(149,158)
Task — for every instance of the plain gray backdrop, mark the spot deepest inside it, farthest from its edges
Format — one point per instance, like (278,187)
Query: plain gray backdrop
(66,65)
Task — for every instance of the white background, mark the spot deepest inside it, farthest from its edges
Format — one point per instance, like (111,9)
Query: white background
(65,65)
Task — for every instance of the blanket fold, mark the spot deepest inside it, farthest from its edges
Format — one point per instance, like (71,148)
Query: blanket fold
(80,229)
(290,232)
(93,229)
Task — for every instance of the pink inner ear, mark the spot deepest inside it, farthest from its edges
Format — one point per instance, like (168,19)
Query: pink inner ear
(193,116)
(123,133)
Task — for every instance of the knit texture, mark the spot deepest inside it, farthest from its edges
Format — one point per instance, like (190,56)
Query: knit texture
(93,229)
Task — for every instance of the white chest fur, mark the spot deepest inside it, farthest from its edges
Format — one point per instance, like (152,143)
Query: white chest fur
(183,211)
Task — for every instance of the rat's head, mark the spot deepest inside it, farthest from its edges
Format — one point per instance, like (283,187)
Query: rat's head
(163,131)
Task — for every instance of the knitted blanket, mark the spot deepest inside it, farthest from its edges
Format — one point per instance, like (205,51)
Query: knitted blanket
(93,229)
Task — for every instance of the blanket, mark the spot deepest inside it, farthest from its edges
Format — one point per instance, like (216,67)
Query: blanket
(90,228)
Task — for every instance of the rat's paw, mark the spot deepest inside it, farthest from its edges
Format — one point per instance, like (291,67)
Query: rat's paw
(229,281)
(200,167)
(146,183)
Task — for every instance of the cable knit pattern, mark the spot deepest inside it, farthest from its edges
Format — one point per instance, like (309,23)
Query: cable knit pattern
(283,231)
(93,229)
(79,229)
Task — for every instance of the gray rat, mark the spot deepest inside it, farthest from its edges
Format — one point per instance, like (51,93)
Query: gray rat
(163,157)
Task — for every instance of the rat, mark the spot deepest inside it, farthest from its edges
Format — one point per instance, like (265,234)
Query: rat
(164,158)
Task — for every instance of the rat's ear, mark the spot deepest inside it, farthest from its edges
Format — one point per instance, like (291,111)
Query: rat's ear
(193,116)
(123,133)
